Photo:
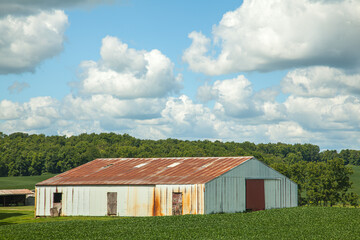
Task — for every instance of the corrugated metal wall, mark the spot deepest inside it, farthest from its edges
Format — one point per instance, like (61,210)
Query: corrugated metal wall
(131,200)
(227,193)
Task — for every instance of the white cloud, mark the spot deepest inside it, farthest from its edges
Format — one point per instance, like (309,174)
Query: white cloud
(289,132)
(27,41)
(320,114)
(206,93)
(235,98)
(128,73)
(183,118)
(72,127)
(109,107)
(42,106)
(267,35)
(38,113)
(320,82)
(9,110)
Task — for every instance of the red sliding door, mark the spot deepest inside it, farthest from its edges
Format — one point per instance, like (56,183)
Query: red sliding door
(255,194)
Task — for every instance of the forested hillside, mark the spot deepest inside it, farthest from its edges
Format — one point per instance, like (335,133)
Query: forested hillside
(22,154)
(323,177)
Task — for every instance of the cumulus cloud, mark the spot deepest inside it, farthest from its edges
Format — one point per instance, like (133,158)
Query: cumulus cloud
(26,41)
(129,73)
(263,35)
(320,82)
(288,131)
(37,113)
(107,106)
(33,31)
(235,98)
(9,110)
(325,114)
(182,117)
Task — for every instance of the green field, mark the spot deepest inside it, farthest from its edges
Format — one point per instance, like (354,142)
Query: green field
(27,182)
(291,223)
(355,178)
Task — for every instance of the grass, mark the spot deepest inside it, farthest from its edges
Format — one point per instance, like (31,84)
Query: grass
(15,215)
(355,178)
(25,214)
(291,223)
(27,182)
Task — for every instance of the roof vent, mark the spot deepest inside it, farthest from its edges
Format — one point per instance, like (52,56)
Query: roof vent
(174,164)
(107,166)
(206,165)
(140,165)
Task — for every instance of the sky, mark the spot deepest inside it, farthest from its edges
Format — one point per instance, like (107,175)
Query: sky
(254,70)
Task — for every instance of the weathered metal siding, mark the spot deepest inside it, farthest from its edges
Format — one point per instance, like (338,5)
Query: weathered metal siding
(132,200)
(272,193)
(227,193)
(193,199)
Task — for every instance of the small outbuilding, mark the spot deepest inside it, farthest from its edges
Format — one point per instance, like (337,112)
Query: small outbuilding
(9,197)
(165,186)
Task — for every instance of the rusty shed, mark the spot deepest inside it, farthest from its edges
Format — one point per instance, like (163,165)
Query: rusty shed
(165,186)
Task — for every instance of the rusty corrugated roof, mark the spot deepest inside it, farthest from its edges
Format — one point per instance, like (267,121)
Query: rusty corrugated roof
(144,171)
(15,192)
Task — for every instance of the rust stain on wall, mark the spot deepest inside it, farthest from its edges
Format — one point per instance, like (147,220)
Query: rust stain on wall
(187,202)
(156,202)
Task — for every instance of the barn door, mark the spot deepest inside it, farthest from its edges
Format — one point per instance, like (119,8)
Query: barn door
(255,194)
(176,203)
(272,193)
(111,203)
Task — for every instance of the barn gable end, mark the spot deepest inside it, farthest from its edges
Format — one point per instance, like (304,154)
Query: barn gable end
(227,193)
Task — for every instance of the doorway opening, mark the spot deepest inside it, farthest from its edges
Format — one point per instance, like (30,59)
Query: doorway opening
(177,203)
(112,203)
(55,211)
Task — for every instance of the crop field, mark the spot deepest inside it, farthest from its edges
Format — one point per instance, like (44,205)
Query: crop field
(27,182)
(291,223)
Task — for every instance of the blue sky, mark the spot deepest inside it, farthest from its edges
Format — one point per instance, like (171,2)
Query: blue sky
(259,71)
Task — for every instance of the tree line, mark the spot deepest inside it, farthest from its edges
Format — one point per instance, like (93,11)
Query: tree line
(321,183)
(323,177)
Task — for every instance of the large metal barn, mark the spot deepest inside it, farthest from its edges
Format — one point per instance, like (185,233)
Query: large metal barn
(165,186)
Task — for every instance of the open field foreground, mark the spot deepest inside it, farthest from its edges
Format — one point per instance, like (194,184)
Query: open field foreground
(293,223)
